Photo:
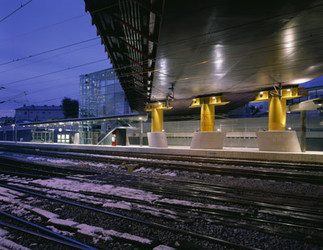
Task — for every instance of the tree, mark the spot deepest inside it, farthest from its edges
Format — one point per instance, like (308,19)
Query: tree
(70,107)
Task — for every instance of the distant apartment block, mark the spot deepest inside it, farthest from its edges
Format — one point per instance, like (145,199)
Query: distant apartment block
(102,95)
(39,113)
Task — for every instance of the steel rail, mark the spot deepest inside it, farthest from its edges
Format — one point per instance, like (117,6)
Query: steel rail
(12,166)
(202,159)
(179,165)
(144,222)
(205,159)
(303,214)
(35,166)
(227,214)
(238,220)
(12,173)
(47,234)
(198,194)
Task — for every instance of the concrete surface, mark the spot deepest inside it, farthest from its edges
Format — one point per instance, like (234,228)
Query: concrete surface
(283,141)
(227,153)
(207,140)
(157,139)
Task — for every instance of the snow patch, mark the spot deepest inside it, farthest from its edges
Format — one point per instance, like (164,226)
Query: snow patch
(172,174)
(76,186)
(8,244)
(95,231)
(55,230)
(60,222)
(44,213)
(119,204)
(163,247)
(3,232)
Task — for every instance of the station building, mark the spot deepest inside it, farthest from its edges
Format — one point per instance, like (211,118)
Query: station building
(102,95)
(34,113)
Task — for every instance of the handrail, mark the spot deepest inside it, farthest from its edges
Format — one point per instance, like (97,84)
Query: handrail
(112,130)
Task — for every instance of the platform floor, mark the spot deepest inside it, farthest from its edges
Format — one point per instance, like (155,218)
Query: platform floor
(228,153)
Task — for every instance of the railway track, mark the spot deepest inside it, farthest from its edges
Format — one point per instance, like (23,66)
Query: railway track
(248,209)
(167,157)
(312,174)
(292,217)
(32,229)
(127,218)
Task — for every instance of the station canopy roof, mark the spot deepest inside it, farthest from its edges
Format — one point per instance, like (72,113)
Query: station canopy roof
(69,121)
(183,49)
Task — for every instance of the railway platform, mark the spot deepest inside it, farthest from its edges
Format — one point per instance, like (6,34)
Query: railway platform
(314,157)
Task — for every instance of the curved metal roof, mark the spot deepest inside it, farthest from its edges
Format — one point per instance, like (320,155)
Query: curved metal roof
(209,47)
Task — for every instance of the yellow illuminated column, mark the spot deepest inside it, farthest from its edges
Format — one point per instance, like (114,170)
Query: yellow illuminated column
(156,120)
(277,113)
(207,105)
(277,106)
(157,114)
(207,117)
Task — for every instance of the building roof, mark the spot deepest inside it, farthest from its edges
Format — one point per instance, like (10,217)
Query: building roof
(161,49)
(45,107)
(136,117)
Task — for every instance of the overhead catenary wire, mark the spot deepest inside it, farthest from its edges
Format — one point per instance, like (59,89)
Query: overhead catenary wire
(57,71)
(51,50)
(10,14)
(51,57)
(44,27)
(155,59)
(156,70)
(48,51)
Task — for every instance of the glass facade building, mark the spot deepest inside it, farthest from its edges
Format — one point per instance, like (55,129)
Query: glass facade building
(102,95)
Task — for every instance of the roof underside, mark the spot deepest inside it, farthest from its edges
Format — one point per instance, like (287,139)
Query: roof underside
(209,47)
(129,30)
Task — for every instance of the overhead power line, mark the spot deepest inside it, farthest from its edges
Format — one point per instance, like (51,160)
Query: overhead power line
(48,51)
(21,6)
(54,72)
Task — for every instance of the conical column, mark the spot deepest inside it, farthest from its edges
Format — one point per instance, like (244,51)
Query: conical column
(157,138)
(207,138)
(157,120)
(207,117)
(277,138)
(276,113)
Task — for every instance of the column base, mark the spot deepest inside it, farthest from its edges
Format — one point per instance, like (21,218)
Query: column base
(208,140)
(157,139)
(280,140)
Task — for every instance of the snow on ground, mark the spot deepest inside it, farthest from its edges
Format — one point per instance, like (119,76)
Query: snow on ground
(8,244)
(68,162)
(76,186)
(62,232)
(97,233)
(73,187)
(5,243)
(163,247)
(155,171)
(54,161)
(200,205)
(166,213)
(8,193)
(123,192)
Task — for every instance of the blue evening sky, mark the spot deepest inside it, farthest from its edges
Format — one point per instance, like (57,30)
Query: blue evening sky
(40,26)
